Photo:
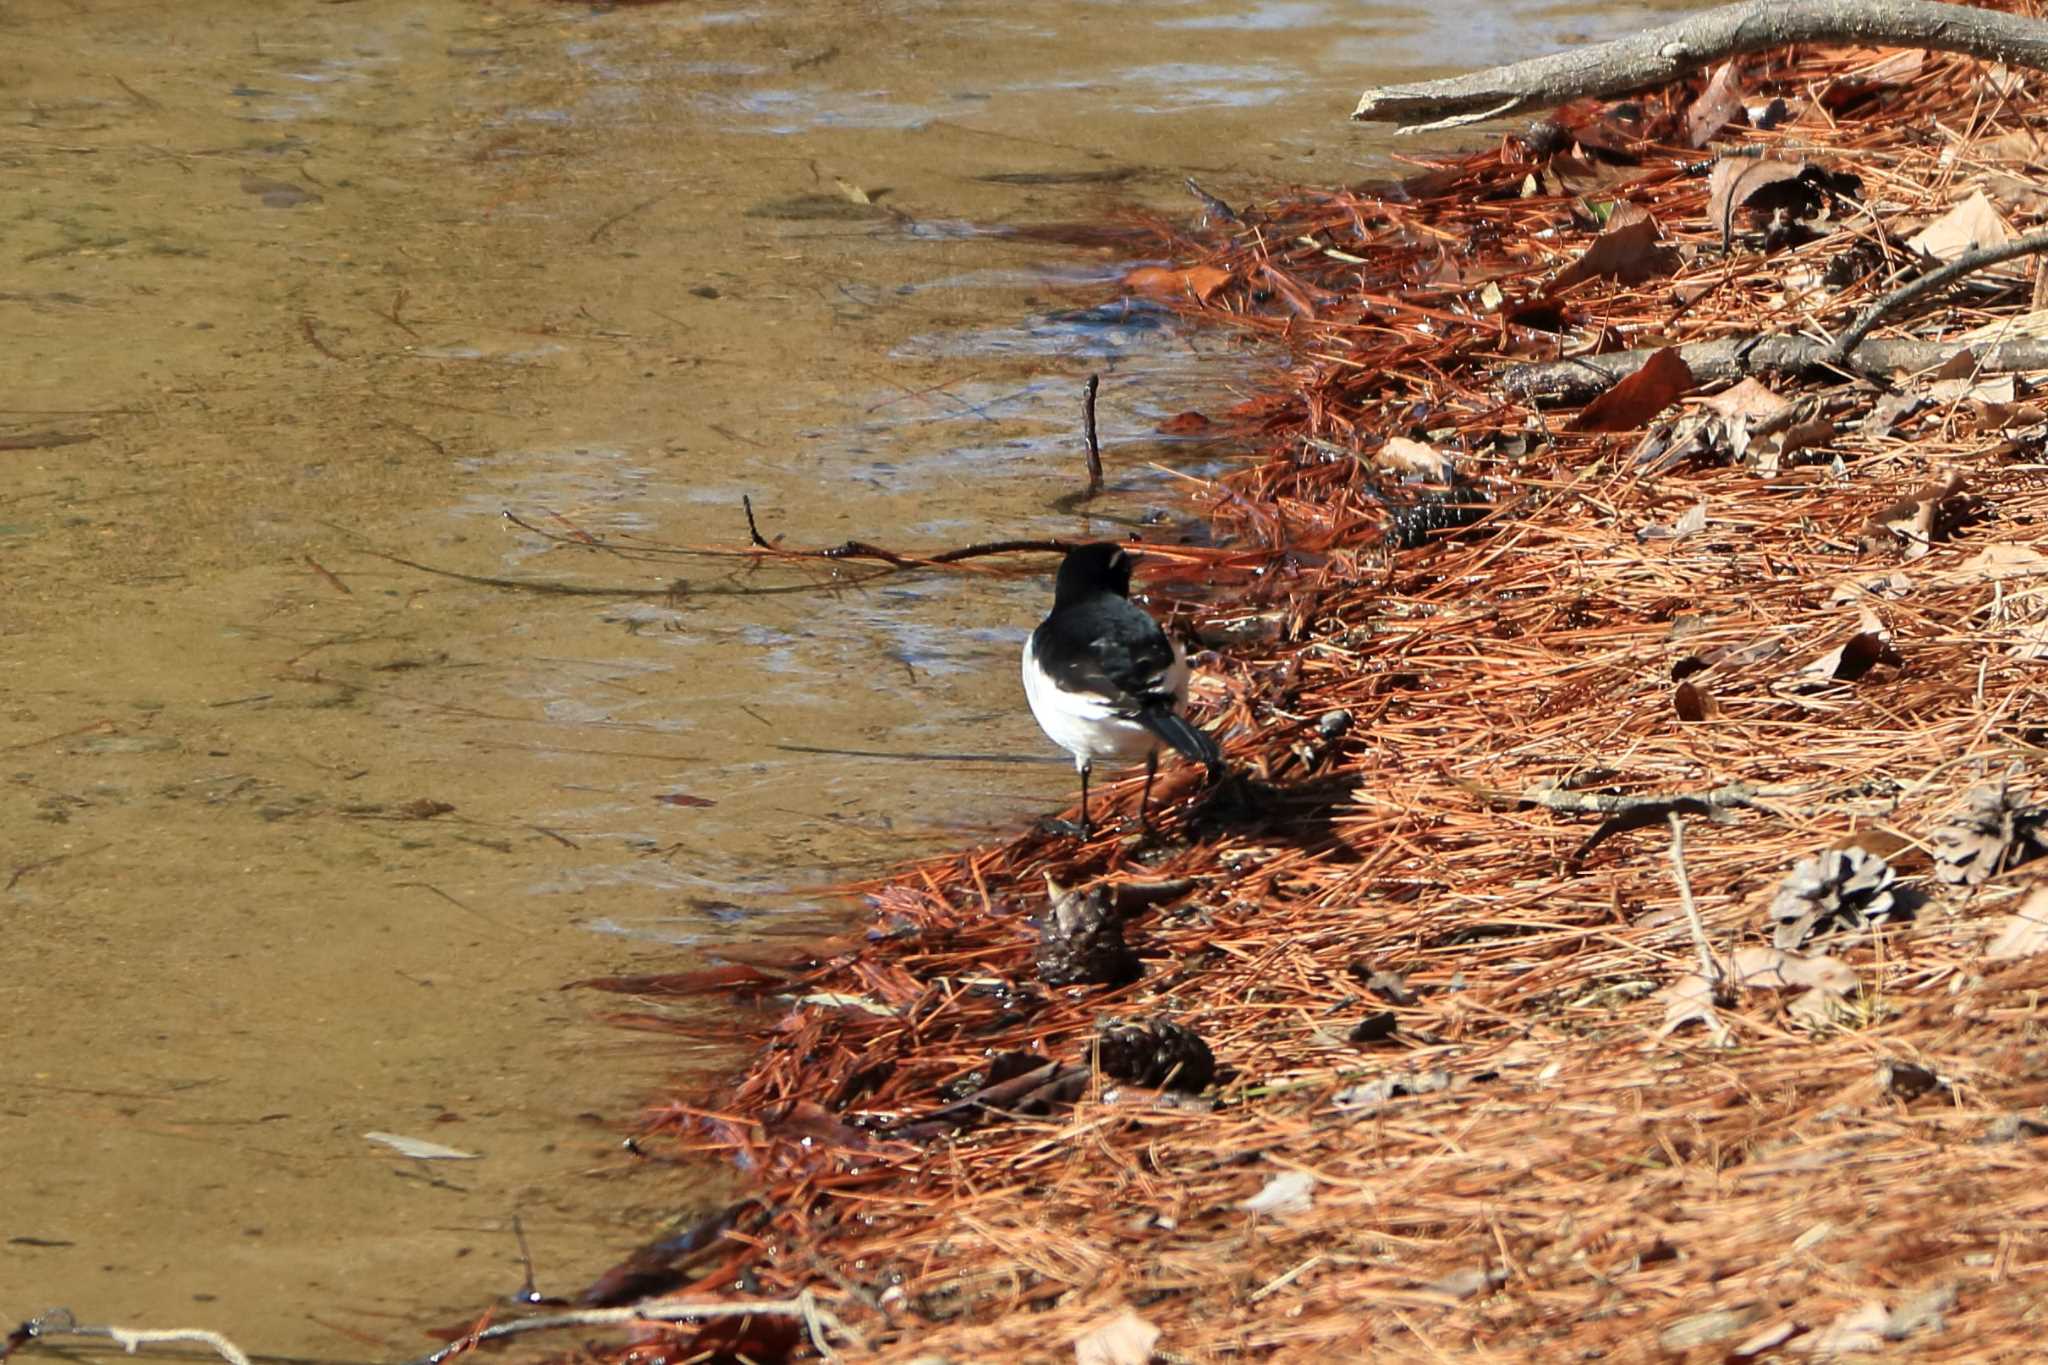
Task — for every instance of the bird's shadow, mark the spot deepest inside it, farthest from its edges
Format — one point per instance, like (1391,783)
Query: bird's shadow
(1300,812)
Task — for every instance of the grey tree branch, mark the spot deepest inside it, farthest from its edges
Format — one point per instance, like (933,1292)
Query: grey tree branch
(1559,381)
(1665,54)
(1845,345)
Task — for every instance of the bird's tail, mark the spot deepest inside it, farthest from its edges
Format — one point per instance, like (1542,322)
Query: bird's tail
(1175,730)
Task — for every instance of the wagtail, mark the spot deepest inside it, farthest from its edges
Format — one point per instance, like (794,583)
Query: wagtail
(1105,682)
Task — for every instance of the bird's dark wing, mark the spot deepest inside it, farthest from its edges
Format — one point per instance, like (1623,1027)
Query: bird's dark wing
(1110,648)
(1107,648)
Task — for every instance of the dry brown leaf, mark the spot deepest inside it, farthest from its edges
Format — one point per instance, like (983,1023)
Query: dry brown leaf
(2003,81)
(1973,389)
(2020,147)
(1690,1000)
(1663,379)
(1736,180)
(1690,524)
(2016,196)
(1870,646)
(2024,932)
(1719,102)
(1403,456)
(1819,1008)
(1895,584)
(1696,436)
(1883,67)
(1960,365)
(2008,416)
(1626,250)
(1463,1284)
(1810,434)
(1911,520)
(1764,968)
(1974,223)
(1858,1329)
(1921,1311)
(1877,841)
(1579,175)
(1125,1339)
(1703,1329)
(1289,1192)
(1202,281)
(2005,561)
(1752,401)
(1891,410)
(1755,1345)
(1762,427)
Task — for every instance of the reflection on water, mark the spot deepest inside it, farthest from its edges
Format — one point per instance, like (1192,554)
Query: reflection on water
(304,839)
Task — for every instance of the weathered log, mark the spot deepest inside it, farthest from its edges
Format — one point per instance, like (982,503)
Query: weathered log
(1664,54)
(1711,362)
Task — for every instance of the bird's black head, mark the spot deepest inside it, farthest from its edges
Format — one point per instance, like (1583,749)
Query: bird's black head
(1091,569)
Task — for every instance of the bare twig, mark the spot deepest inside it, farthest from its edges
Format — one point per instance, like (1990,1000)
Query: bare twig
(306,326)
(1638,812)
(861,549)
(1088,430)
(804,1307)
(753,527)
(61,1322)
(1845,345)
(1215,209)
(1710,968)
(597,233)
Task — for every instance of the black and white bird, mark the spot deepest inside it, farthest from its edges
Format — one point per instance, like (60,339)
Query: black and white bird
(1104,681)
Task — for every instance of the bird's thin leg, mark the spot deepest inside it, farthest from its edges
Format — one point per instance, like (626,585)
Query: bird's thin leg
(1145,801)
(1086,768)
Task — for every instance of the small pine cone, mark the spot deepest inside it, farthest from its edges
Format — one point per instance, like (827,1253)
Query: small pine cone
(1433,514)
(1843,888)
(1081,942)
(1161,1053)
(1996,831)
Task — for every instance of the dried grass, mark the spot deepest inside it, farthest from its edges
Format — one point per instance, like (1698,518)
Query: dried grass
(1569,1178)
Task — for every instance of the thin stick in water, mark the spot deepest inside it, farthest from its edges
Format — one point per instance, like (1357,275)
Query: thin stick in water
(1088,429)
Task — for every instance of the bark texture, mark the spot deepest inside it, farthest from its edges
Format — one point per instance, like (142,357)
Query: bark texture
(1676,50)
(1559,381)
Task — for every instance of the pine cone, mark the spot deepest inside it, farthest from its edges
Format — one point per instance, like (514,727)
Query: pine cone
(1081,942)
(1843,888)
(1432,514)
(1161,1053)
(1996,831)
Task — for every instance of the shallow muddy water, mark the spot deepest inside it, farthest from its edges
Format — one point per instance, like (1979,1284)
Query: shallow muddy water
(299,842)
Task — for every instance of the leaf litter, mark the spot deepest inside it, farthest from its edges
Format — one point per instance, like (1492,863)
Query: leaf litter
(1636,1092)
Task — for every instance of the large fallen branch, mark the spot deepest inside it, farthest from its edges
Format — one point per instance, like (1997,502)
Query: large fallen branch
(1712,362)
(1676,50)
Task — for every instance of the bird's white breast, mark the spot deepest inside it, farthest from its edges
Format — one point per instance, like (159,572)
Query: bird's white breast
(1086,725)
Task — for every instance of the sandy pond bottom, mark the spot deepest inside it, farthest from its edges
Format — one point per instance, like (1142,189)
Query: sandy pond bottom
(299,843)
